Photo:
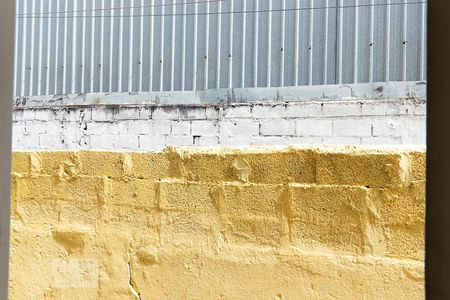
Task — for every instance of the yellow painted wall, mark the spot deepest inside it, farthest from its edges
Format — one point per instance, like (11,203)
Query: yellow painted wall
(292,223)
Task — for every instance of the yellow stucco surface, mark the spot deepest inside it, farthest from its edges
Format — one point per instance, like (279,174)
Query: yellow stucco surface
(287,223)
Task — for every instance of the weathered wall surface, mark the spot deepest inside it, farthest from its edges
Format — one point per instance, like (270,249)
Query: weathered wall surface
(288,223)
(152,127)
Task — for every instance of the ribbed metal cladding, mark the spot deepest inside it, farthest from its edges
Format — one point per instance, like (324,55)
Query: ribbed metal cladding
(81,46)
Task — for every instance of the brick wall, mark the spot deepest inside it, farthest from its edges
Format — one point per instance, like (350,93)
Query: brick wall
(287,223)
(152,127)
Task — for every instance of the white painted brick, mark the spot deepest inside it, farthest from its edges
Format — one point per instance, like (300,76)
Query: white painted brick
(414,126)
(165,113)
(180,127)
(28,142)
(341,109)
(140,127)
(313,127)
(352,128)
(102,142)
(381,140)
(74,128)
(304,109)
(126,113)
(18,128)
(267,140)
(192,113)
(375,108)
(102,114)
(53,127)
(234,140)
(161,127)
(237,111)
(34,127)
(414,140)
(120,127)
(269,111)
(205,128)
(179,140)
(49,140)
(213,113)
(94,128)
(125,142)
(85,141)
(388,127)
(277,127)
(152,142)
(341,141)
(243,127)
(207,141)
(303,140)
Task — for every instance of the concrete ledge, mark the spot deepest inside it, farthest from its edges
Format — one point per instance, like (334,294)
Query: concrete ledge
(375,90)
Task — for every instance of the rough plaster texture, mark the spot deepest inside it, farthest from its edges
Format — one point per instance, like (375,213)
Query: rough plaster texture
(204,223)
(153,127)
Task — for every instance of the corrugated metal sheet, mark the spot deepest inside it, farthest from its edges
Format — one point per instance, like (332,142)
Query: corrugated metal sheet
(79,46)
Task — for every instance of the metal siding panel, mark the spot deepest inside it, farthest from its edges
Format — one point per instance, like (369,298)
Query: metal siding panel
(230,43)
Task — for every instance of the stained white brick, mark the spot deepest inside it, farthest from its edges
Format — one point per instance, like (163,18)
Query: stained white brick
(339,109)
(352,127)
(237,111)
(44,115)
(103,114)
(313,127)
(377,108)
(165,113)
(420,109)
(180,140)
(152,142)
(213,113)
(269,111)
(28,114)
(145,113)
(205,128)
(180,127)
(126,113)
(192,113)
(243,127)
(277,127)
(304,109)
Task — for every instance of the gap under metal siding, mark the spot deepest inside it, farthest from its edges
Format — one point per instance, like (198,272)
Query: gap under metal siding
(180,45)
